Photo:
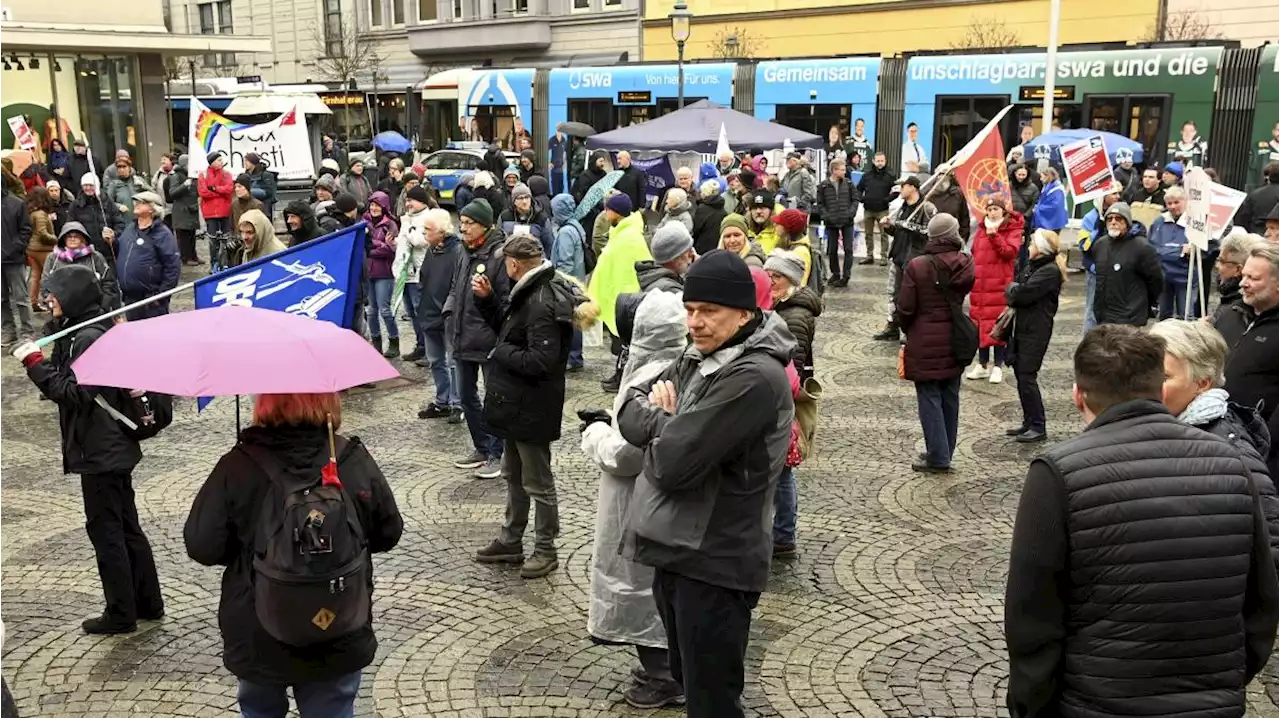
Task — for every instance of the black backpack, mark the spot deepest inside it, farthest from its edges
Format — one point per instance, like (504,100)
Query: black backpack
(312,581)
(964,333)
(588,252)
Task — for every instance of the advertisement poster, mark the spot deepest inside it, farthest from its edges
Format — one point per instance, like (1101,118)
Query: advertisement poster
(282,143)
(1088,169)
(25,137)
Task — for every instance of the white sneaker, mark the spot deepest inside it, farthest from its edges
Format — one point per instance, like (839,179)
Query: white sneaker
(977,371)
(997,376)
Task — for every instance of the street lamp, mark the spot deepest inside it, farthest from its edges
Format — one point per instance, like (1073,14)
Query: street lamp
(680,17)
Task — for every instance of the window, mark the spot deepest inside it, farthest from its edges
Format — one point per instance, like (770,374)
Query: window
(333,28)
(581,4)
(206,19)
(224,18)
(457,9)
(375,13)
(222,11)
(427,11)
(397,12)
(612,3)
(519,7)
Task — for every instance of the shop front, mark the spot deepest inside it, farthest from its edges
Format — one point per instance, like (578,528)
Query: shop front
(1154,96)
(611,97)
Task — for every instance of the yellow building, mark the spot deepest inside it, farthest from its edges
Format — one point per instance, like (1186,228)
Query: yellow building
(810,28)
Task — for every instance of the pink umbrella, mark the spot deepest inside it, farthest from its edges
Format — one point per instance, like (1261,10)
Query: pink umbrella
(231,350)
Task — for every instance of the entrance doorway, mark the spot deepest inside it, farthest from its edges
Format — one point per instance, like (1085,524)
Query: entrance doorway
(815,119)
(1143,118)
(960,119)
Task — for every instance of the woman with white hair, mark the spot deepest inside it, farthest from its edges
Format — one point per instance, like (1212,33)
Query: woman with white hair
(1195,355)
(411,252)
(707,217)
(485,187)
(678,209)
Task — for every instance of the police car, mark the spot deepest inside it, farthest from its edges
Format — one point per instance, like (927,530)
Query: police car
(445,167)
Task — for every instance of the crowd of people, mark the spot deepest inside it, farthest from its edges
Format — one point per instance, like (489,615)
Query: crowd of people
(711,308)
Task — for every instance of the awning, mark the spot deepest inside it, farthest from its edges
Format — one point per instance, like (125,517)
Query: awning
(72,38)
(277,103)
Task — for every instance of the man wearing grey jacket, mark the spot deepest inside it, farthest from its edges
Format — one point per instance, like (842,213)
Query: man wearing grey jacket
(702,510)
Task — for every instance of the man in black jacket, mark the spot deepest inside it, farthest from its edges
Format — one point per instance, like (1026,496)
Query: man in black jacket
(16,233)
(1128,277)
(1252,215)
(524,397)
(95,446)
(910,231)
(473,339)
(715,427)
(1249,326)
(634,183)
(1142,578)
(837,205)
(875,189)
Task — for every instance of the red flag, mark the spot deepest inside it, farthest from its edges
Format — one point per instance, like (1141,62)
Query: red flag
(290,117)
(983,174)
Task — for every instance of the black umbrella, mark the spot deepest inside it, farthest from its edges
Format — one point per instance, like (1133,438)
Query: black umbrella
(576,129)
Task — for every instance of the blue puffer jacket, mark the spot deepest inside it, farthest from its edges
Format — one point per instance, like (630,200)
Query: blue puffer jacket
(1167,235)
(147,261)
(566,254)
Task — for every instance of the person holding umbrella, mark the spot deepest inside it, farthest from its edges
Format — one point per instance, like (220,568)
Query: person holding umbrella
(96,446)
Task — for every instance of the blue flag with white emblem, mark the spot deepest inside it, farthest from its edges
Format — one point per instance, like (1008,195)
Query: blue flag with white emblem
(319,279)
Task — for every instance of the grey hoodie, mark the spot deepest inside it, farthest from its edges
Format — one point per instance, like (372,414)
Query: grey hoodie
(702,508)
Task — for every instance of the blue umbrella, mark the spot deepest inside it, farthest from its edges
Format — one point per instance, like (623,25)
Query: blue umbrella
(391,141)
(1054,141)
(597,193)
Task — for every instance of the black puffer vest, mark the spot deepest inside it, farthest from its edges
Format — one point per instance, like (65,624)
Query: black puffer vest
(1160,530)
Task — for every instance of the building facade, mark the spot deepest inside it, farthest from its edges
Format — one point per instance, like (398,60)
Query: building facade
(725,29)
(97,71)
(1250,22)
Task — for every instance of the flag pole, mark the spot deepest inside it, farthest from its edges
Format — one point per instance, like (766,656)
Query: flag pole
(46,341)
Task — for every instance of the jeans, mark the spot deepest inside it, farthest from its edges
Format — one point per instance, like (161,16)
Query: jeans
(575,349)
(413,295)
(870,228)
(379,305)
(1173,301)
(845,237)
(1090,285)
(125,562)
(785,505)
(526,468)
(442,370)
(1032,402)
(939,407)
(468,375)
(16,320)
(707,631)
(322,699)
(984,355)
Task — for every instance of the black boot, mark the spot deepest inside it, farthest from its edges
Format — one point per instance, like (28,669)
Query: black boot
(613,383)
(393,348)
(417,353)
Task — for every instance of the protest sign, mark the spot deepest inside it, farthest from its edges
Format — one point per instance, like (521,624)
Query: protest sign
(1223,203)
(283,142)
(25,137)
(1088,169)
(1199,190)
(659,174)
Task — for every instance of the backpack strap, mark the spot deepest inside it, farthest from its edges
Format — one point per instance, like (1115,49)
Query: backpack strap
(945,288)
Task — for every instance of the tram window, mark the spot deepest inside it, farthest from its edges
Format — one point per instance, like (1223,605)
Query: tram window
(634,115)
(815,119)
(959,119)
(1144,118)
(595,112)
(667,105)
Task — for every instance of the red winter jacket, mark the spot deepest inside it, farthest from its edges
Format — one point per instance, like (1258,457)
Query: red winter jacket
(215,187)
(994,259)
(925,315)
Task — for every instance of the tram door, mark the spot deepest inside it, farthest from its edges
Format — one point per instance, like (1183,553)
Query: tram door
(597,112)
(1144,118)
(960,119)
(815,119)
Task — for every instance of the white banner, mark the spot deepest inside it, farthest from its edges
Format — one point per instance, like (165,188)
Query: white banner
(282,143)
(1199,203)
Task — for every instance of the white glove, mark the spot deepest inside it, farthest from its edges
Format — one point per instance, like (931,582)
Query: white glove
(24,350)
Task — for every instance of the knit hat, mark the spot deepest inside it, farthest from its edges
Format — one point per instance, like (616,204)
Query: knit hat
(788,264)
(764,287)
(410,175)
(794,221)
(330,163)
(418,194)
(355,161)
(478,211)
(761,198)
(326,182)
(721,277)
(212,156)
(619,203)
(510,170)
(345,202)
(670,241)
(733,220)
(1122,209)
(466,179)
(944,226)
(1175,168)
(243,179)
(521,190)
(530,155)
(252,158)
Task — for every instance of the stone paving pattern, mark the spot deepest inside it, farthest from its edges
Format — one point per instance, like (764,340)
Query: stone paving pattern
(892,608)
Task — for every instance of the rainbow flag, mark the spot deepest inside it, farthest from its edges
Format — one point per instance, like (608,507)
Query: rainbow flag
(209,124)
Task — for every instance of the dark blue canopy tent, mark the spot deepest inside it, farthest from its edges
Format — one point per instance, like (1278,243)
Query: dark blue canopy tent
(696,128)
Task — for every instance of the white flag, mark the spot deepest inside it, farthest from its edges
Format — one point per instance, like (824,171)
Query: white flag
(722,145)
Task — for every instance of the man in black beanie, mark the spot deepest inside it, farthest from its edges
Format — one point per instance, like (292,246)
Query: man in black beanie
(715,427)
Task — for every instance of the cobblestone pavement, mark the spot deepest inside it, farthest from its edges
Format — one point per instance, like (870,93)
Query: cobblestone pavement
(892,608)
